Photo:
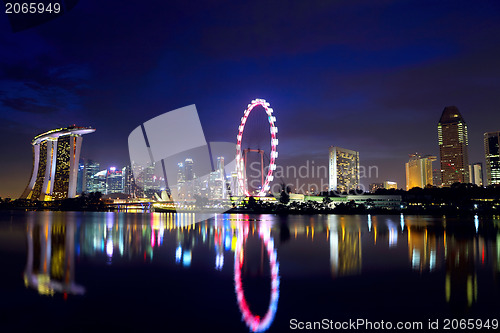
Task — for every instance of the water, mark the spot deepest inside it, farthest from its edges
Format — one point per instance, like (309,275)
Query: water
(83,271)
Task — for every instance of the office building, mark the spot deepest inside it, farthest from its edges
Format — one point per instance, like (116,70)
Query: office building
(436,177)
(343,169)
(99,182)
(492,156)
(188,169)
(91,168)
(129,185)
(419,171)
(114,181)
(56,155)
(476,174)
(453,144)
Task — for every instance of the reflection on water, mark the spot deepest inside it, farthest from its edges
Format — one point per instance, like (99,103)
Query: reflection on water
(51,261)
(252,247)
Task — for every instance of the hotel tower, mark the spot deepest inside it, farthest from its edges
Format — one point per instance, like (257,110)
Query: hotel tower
(56,154)
(343,174)
(453,143)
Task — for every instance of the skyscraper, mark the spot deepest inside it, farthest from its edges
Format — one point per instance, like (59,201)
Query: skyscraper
(56,154)
(90,183)
(419,171)
(114,181)
(129,184)
(188,169)
(492,156)
(453,143)
(476,174)
(436,177)
(343,169)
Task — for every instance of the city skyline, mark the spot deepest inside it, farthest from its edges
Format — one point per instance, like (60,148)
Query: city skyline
(369,81)
(449,115)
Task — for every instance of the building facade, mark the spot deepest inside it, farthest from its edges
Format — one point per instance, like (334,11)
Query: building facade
(114,181)
(419,171)
(453,144)
(90,169)
(492,156)
(476,174)
(390,185)
(56,156)
(343,169)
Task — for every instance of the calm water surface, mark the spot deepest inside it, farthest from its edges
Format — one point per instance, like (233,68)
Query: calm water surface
(82,271)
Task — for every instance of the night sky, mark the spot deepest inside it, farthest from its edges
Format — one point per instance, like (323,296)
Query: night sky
(372,76)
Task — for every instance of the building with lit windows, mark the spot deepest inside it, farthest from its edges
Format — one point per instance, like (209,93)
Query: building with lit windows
(114,181)
(492,156)
(343,169)
(436,177)
(56,155)
(188,169)
(453,144)
(129,184)
(90,169)
(419,171)
(476,174)
(390,185)
(99,182)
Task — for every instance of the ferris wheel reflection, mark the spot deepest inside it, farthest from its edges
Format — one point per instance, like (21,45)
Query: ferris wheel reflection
(254,322)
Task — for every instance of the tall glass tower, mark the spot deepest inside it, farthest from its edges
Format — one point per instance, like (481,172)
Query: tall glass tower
(56,154)
(453,143)
(492,156)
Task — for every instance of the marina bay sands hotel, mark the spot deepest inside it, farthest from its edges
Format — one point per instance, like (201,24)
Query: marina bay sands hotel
(56,154)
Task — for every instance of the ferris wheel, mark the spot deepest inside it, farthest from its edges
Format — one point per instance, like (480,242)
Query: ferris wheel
(241,162)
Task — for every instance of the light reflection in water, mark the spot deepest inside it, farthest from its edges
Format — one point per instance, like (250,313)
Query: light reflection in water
(50,264)
(254,322)
(430,247)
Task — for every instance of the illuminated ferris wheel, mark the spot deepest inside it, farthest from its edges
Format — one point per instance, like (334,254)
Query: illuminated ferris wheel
(241,162)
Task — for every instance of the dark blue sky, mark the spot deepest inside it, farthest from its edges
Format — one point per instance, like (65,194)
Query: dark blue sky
(372,76)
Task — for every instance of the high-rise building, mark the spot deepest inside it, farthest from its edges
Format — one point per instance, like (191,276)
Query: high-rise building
(343,169)
(476,174)
(56,154)
(492,156)
(151,183)
(188,169)
(220,167)
(419,171)
(453,143)
(129,185)
(235,189)
(90,183)
(114,181)
(99,182)
(181,176)
(436,177)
